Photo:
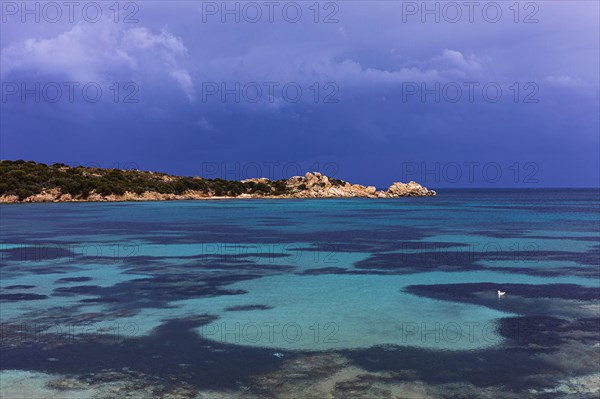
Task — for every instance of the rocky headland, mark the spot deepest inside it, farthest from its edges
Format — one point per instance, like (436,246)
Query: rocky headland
(33,182)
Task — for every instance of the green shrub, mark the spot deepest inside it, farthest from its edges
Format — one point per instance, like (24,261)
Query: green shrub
(23,193)
(262,187)
(28,178)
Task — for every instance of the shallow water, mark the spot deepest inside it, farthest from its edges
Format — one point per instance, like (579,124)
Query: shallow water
(356,287)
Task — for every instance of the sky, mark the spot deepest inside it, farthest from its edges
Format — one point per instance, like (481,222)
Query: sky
(450,94)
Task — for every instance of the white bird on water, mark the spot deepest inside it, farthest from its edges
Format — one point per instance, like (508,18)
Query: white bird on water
(501,294)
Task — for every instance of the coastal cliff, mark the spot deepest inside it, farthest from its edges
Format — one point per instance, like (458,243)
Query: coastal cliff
(22,181)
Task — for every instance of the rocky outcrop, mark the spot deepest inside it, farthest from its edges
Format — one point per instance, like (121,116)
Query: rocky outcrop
(316,185)
(9,199)
(410,189)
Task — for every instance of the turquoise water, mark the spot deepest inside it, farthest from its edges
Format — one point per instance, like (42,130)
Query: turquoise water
(304,275)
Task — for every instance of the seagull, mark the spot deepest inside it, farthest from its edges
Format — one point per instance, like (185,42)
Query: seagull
(501,294)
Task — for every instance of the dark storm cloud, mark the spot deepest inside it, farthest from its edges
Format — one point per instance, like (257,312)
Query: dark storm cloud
(365,86)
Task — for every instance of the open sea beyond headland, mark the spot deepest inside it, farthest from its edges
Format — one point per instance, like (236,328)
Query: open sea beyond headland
(348,298)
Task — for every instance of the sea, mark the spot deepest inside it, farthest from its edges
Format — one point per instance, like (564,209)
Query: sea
(304,298)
